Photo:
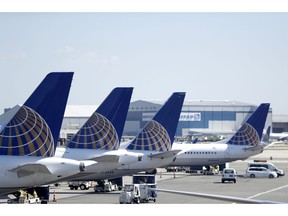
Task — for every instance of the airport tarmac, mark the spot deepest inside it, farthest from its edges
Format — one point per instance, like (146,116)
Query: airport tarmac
(261,189)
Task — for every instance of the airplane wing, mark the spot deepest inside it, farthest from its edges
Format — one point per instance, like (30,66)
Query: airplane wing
(218,197)
(30,169)
(170,153)
(106,158)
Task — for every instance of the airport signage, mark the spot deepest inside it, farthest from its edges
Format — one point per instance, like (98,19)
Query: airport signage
(190,116)
(195,116)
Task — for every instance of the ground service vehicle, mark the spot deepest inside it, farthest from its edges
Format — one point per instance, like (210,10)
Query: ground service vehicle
(229,174)
(139,191)
(23,197)
(174,169)
(144,178)
(260,172)
(136,193)
(83,185)
(267,165)
(130,194)
(149,180)
(105,186)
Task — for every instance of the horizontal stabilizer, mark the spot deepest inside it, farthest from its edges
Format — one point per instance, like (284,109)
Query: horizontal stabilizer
(106,158)
(255,148)
(30,169)
(165,154)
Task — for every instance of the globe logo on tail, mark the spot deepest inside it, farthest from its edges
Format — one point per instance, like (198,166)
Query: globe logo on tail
(27,134)
(153,137)
(97,133)
(246,135)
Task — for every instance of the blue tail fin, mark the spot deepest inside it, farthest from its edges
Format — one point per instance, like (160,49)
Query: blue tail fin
(251,131)
(195,140)
(104,128)
(34,129)
(158,134)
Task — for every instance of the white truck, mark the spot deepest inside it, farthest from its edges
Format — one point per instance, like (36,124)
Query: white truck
(83,185)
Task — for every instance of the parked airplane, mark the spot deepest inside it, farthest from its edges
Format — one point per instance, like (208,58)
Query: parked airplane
(245,143)
(279,136)
(99,138)
(29,134)
(152,144)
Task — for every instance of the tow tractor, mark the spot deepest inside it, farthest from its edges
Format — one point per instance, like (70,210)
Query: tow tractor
(24,197)
(32,195)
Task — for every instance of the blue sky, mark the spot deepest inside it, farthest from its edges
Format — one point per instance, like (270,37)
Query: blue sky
(211,56)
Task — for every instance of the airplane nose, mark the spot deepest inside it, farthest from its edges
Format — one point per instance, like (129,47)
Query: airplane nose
(82,167)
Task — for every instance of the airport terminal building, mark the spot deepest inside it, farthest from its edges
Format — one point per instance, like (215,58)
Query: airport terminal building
(221,117)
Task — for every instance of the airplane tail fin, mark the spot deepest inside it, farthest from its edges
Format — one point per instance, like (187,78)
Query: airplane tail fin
(250,133)
(266,136)
(103,130)
(34,129)
(158,134)
(195,140)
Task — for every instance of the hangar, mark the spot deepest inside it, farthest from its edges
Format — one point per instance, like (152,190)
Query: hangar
(221,117)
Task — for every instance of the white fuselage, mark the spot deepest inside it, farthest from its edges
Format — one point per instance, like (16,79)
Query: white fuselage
(209,154)
(147,163)
(11,181)
(104,165)
(279,136)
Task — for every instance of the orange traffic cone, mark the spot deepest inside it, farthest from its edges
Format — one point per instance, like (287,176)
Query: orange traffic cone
(54,197)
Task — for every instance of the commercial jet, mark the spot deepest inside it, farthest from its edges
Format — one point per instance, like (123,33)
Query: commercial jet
(279,136)
(29,134)
(99,138)
(152,144)
(245,143)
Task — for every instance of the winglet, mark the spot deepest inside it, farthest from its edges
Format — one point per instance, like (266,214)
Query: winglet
(103,130)
(251,131)
(35,128)
(158,134)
